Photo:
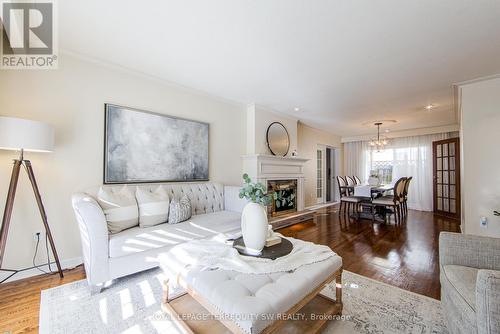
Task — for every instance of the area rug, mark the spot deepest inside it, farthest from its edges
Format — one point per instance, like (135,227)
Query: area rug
(132,305)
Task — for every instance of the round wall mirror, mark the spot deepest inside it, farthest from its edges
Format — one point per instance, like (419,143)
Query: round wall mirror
(277,139)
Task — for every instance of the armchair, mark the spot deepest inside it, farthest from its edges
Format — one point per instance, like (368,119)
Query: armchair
(470,282)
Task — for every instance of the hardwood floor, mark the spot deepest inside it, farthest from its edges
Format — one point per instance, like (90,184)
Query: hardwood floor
(404,256)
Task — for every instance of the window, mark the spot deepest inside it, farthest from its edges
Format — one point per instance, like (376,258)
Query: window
(319,178)
(381,164)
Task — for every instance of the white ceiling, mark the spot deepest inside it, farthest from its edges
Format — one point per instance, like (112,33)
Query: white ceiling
(342,62)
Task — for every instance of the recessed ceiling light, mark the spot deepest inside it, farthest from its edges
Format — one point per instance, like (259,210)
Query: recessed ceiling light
(387,130)
(296,109)
(429,106)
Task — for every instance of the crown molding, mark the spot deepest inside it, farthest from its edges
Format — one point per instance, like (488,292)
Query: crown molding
(485,78)
(406,133)
(161,81)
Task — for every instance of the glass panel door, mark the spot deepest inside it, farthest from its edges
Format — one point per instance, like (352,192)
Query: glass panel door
(447,177)
(319,176)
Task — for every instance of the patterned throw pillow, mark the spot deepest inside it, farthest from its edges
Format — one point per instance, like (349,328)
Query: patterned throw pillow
(180,210)
(119,207)
(153,206)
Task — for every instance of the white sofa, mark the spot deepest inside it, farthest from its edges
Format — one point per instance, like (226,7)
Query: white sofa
(215,208)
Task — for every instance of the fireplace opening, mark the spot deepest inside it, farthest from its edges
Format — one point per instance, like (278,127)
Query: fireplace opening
(286,199)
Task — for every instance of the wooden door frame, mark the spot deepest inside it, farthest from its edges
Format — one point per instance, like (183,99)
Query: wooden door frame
(458,172)
(328,175)
(322,200)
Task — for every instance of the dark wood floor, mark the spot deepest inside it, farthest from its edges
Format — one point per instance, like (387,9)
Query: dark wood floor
(405,256)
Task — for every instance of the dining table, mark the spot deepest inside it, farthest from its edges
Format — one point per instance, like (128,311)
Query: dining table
(380,189)
(366,202)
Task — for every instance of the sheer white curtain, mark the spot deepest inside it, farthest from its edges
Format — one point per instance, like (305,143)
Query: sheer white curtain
(355,162)
(409,156)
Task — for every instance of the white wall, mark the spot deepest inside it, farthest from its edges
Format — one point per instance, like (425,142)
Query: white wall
(308,140)
(480,107)
(303,138)
(72,99)
(258,120)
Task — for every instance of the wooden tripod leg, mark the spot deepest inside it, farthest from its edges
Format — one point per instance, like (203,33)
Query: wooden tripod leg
(9,204)
(31,176)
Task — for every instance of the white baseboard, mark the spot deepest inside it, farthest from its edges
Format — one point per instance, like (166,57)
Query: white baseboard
(65,264)
(319,206)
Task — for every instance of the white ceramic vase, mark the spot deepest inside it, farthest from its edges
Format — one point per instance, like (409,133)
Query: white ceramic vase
(254,227)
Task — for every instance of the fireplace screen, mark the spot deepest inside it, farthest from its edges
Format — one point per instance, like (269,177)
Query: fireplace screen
(286,199)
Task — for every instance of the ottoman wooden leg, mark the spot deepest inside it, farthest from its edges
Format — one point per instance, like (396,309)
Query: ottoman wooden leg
(168,309)
(338,289)
(165,291)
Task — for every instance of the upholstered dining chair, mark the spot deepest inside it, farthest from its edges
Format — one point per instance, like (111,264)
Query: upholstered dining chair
(346,200)
(350,181)
(405,195)
(357,180)
(394,202)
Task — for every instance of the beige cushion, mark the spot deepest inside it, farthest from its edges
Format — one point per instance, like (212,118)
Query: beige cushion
(120,208)
(350,199)
(153,206)
(180,210)
(463,279)
(205,197)
(383,201)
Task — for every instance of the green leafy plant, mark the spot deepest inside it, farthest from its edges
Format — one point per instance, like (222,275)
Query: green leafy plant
(256,192)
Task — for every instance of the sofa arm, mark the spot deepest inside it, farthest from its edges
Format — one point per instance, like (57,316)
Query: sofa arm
(94,237)
(469,250)
(232,201)
(488,301)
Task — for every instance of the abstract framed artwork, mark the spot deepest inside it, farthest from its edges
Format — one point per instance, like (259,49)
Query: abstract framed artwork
(146,147)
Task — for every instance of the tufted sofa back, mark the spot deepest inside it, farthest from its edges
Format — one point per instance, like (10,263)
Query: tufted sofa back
(205,197)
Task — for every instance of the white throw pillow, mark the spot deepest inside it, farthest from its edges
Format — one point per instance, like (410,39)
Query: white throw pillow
(120,208)
(153,206)
(180,210)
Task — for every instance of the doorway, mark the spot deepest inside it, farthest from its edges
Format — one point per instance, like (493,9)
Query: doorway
(328,167)
(446,177)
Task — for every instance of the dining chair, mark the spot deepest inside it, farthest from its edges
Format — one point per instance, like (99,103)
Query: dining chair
(349,191)
(350,181)
(394,202)
(405,195)
(357,179)
(346,200)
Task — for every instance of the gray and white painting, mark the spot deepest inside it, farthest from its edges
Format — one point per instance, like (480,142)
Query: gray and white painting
(148,147)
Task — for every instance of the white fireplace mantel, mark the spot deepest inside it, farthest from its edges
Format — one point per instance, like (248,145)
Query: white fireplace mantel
(263,168)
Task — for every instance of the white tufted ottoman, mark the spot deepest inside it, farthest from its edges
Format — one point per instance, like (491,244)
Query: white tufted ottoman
(286,302)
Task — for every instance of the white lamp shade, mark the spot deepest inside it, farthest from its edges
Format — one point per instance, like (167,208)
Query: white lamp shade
(18,133)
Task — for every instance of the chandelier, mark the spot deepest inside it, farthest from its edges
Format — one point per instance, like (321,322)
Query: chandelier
(380,142)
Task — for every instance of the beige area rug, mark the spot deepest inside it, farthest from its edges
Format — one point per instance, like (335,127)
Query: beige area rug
(132,305)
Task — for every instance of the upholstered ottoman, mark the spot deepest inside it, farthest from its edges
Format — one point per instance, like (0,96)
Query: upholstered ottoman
(256,303)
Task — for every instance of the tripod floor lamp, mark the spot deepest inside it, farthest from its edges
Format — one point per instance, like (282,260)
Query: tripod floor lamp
(24,136)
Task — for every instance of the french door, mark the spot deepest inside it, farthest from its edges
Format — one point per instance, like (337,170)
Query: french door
(320,167)
(446,162)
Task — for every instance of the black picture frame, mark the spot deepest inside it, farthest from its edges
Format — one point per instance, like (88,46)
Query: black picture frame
(269,144)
